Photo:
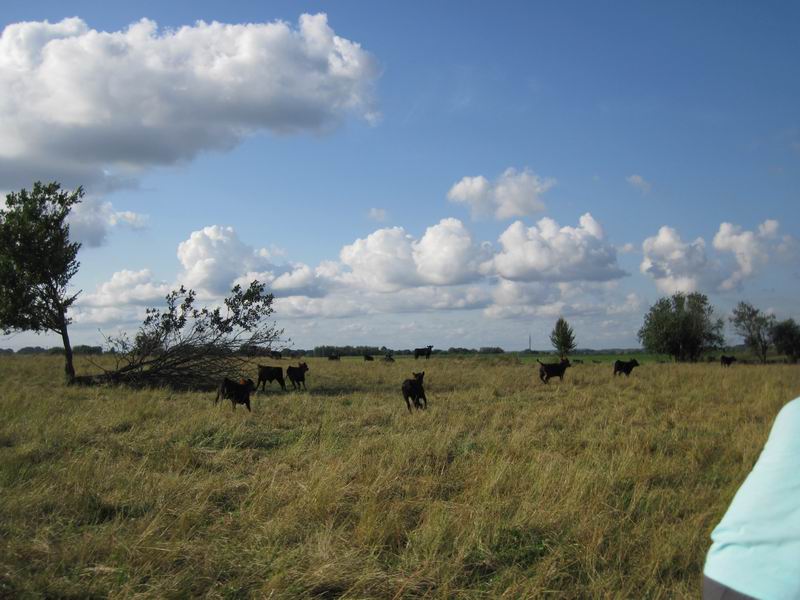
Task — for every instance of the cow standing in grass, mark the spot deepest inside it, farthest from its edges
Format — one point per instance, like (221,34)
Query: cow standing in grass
(270,374)
(426,352)
(548,370)
(621,366)
(727,361)
(297,375)
(237,393)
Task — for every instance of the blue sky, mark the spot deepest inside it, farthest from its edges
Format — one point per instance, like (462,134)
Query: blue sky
(455,121)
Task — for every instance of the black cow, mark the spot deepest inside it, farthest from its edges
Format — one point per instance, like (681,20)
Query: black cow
(334,357)
(297,375)
(727,361)
(270,374)
(621,366)
(414,392)
(426,352)
(388,358)
(548,370)
(368,358)
(237,393)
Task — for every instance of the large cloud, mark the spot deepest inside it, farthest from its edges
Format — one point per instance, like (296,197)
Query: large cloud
(389,259)
(513,194)
(675,265)
(678,266)
(447,254)
(547,252)
(749,248)
(90,106)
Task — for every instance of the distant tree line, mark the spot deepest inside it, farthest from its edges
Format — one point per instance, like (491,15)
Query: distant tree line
(55,350)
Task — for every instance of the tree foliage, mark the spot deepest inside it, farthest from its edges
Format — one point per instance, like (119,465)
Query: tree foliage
(563,338)
(682,326)
(786,337)
(184,347)
(37,261)
(755,328)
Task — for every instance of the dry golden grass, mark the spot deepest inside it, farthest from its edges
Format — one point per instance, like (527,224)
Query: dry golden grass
(505,488)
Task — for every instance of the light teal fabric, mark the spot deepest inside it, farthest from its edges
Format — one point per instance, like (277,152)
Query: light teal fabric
(756,546)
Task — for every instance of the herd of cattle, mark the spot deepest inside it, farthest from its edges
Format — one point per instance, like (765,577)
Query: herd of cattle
(413,390)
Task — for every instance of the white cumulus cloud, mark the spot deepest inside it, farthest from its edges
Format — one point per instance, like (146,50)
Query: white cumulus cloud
(512,194)
(389,259)
(91,220)
(127,287)
(749,248)
(675,265)
(678,266)
(447,254)
(548,252)
(90,106)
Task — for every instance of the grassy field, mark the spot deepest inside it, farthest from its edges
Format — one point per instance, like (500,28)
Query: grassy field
(591,488)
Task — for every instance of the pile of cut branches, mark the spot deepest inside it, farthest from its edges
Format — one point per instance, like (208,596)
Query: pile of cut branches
(187,348)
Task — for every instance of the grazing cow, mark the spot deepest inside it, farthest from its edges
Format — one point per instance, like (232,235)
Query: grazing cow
(621,366)
(334,357)
(270,374)
(414,392)
(368,358)
(276,354)
(426,352)
(727,361)
(577,361)
(237,393)
(388,358)
(297,375)
(548,370)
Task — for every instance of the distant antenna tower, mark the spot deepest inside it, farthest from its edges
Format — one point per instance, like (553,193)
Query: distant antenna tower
(529,341)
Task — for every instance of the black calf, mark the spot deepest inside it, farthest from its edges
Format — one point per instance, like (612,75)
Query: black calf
(621,366)
(727,361)
(548,370)
(270,374)
(414,392)
(368,358)
(297,375)
(237,393)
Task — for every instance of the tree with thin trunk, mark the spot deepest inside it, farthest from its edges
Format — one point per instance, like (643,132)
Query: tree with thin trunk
(37,261)
(755,327)
(682,326)
(563,338)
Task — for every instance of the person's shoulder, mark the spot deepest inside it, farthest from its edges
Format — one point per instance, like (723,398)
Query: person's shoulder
(790,411)
(784,437)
